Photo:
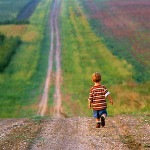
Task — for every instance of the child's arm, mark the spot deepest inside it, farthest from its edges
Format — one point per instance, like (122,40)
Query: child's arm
(90,104)
(109,97)
(90,98)
(107,94)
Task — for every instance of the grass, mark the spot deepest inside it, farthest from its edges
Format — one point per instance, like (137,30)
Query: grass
(21,83)
(128,99)
(146,146)
(38,119)
(82,54)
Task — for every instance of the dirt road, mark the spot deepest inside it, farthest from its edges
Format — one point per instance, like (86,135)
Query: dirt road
(54,50)
(120,133)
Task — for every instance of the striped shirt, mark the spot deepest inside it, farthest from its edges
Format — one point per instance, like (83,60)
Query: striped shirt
(97,96)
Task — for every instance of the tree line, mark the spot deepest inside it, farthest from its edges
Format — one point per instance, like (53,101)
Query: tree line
(8,46)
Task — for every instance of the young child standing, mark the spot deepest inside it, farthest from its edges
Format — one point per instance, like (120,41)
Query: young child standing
(97,98)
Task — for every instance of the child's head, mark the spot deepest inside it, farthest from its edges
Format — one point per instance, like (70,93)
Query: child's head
(96,77)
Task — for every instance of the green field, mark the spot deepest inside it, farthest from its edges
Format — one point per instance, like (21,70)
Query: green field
(9,9)
(123,30)
(21,82)
(84,53)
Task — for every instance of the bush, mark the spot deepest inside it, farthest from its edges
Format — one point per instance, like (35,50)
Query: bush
(7,49)
(22,21)
(2,37)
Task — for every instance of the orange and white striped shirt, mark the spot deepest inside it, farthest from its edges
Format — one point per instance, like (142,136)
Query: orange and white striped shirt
(97,96)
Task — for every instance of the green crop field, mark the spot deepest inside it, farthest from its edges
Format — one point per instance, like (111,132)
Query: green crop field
(9,9)
(84,53)
(124,30)
(20,83)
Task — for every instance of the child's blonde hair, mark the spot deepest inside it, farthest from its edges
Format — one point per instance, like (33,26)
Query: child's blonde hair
(96,77)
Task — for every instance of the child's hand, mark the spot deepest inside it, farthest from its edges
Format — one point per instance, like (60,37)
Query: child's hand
(109,97)
(111,101)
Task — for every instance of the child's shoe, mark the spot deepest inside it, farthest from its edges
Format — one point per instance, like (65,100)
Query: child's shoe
(98,124)
(103,121)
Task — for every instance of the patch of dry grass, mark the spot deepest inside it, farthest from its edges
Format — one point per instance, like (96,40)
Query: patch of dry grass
(30,36)
(128,99)
(13,30)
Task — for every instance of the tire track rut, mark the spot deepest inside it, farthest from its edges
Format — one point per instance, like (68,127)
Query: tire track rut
(57,96)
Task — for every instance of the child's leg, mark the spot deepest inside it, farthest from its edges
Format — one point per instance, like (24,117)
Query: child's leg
(98,123)
(103,116)
(97,116)
(103,120)
(97,119)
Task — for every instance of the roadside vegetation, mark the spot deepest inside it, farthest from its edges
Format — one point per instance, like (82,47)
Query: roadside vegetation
(21,84)
(84,53)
